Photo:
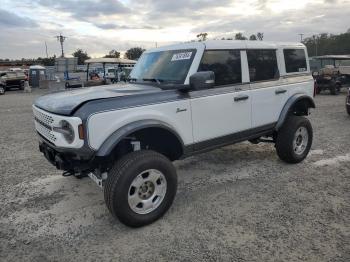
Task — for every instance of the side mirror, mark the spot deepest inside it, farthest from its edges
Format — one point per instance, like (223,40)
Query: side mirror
(202,80)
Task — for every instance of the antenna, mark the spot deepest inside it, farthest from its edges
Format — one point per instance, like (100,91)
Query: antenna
(47,55)
(61,39)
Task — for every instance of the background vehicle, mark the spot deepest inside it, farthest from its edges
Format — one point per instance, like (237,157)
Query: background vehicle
(11,79)
(347,102)
(328,79)
(182,100)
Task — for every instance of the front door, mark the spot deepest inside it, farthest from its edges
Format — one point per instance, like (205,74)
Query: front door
(224,110)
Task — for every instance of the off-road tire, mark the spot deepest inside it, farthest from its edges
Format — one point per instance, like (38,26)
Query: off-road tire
(120,177)
(21,86)
(335,90)
(285,138)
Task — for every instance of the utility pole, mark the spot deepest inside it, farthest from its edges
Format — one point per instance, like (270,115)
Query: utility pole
(47,55)
(301,37)
(61,39)
(315,41)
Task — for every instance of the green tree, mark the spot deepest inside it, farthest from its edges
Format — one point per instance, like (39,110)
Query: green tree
(113,54)
(260,36)
(134,53)
(240,36)
(328,44)
(82,56)
(253,37)
(202,37)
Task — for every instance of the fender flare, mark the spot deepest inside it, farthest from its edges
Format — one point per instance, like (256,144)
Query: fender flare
(289,104)
(110,143)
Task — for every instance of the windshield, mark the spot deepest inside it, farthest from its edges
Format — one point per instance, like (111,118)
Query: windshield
(164,66)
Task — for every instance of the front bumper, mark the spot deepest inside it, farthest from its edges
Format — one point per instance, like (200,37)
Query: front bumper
(74,161)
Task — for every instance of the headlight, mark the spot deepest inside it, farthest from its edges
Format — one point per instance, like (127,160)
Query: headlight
(67,130)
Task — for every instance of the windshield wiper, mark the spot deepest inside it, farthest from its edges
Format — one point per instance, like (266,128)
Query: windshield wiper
(158,81)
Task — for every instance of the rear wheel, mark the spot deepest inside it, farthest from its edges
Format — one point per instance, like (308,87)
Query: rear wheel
(335,89)
(294,139)
(140,187)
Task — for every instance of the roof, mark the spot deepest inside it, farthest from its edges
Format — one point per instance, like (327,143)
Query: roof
(36,67)
(335,57)
(230,44)
(105,60)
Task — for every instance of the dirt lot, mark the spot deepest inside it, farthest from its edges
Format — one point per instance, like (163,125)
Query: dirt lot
(238,203)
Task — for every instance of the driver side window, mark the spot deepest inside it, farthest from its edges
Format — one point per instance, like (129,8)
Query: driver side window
(226,64)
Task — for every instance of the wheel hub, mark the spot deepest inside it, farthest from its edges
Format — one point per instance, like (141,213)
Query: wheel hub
(301,140)
(147,191)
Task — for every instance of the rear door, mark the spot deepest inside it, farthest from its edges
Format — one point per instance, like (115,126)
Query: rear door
(267,89)
(225,109)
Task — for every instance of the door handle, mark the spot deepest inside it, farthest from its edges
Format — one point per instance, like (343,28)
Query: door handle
(280,91)
(241,98)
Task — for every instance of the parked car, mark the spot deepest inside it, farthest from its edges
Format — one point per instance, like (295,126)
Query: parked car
(182,100)
(11,79)
(347,103)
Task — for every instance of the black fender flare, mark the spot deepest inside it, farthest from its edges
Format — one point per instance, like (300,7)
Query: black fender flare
(112,141)
(289,104)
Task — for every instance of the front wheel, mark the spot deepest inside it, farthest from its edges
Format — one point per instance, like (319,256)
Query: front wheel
(294,139)
(140,187)
(2,90)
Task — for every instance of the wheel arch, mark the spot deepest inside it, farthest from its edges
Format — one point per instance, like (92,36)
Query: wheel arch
(140,128)
(298,104)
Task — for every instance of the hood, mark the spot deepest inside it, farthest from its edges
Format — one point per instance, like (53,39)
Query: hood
(66,102)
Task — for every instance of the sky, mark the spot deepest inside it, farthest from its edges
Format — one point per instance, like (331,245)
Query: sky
(98,26)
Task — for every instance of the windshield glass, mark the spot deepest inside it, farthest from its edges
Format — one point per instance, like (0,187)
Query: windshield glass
(164,66)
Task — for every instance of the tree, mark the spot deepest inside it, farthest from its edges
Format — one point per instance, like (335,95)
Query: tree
(113,54)
(260,36)
(240,36)
(82,56)
(202,37)
(134,53)
(328,44)
(253,38)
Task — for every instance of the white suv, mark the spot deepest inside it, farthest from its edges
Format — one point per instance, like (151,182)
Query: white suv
(181,100)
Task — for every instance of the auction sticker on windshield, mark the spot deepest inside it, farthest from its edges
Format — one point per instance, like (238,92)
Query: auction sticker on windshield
(181,56)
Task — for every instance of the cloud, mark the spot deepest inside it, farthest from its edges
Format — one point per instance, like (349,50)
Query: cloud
(84,9)
(8,19)
(110,26)
(98,26)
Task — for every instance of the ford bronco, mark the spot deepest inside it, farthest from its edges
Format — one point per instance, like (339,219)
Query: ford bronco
(181,100)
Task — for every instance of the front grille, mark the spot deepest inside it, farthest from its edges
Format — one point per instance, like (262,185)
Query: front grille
(43,124)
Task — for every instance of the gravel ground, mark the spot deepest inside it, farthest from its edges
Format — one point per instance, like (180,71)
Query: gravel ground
(238,203)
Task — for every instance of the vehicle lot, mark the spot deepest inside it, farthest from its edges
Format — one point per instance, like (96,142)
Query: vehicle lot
(238,203)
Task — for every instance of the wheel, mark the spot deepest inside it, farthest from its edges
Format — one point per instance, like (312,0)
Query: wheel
(347,106)
(140,187)
(294,139)
(67,85)
(21,86)
(318,90)
(2,90)
(334,90)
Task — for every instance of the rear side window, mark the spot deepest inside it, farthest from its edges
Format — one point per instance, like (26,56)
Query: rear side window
(226,64)
(262,65)
(295,60)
